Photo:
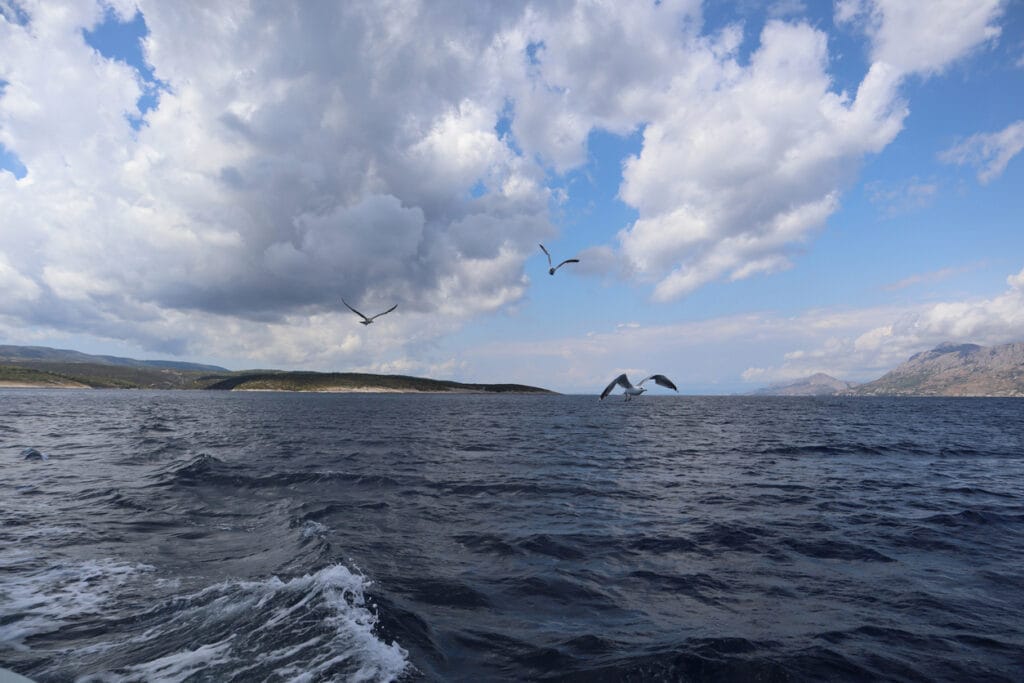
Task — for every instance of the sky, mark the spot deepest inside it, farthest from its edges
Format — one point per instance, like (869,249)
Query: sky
(756,191)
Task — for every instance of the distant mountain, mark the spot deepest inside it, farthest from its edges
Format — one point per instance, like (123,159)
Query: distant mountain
(954,370)
(28,354)
(818,384)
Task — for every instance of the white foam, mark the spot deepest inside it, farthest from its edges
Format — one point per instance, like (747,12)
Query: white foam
(304,629)
(177,666)
(311,528)
(37,602)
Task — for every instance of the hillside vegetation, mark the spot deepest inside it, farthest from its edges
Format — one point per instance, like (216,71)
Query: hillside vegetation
(27,376)
(45,367)
(353,381)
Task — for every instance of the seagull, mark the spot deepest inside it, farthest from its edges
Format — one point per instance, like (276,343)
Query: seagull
(551,271)
(631,391)
(365,320)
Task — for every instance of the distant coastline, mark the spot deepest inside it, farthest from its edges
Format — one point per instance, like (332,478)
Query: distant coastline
(383,390)
(43,367)
(329,390)
(41,385)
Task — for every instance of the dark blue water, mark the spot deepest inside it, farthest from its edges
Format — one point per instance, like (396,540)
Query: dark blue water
(314,537)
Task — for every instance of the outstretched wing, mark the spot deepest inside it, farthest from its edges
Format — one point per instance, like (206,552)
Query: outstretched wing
(660,379)
(621,380)
(385,312)
(354,310)
(568,260)
(545,253)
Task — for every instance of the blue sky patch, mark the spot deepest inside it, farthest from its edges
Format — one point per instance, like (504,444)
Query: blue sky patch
(10,162)
(13,13)
(122,41)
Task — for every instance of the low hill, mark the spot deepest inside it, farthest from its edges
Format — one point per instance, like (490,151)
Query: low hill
(354,381)
(45,367)
(100,376)
(11,376)
(74,368)
(818,384)
(954,370)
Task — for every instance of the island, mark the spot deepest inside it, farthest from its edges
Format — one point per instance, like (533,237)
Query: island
(44,367)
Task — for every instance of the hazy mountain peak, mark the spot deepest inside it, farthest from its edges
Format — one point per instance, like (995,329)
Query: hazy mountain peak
(952,369)
(818,384)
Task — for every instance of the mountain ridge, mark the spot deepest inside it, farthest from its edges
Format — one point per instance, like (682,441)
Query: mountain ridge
(949,369)
(9,353)
(952,369)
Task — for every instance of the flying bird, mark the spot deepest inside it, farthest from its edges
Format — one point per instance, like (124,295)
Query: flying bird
(365,320)
(631,391)
(551,270)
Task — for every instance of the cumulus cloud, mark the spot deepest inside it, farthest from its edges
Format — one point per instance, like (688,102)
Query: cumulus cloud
(727,185)
(988,152)
(336,155)
(922,37)
(731,184)
(297,154)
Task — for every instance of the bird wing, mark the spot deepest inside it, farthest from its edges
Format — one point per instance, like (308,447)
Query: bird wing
(621,379)
(545,253)
(660,379)
(354,310)
(568,260)
(385,312)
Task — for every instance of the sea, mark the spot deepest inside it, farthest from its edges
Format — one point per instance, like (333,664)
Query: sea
(263,536)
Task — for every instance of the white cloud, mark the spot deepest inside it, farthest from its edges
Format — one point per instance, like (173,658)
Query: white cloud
(727,354)
(988,152)
(875,348)
(736,176)
(848,11)
(352,150)
(933,276)
(787,8)
(1016,281)
(903,197)
(729,183)
(336,155)
(922,37)
(576,83)
(18,289)
(753,374)
(704,356)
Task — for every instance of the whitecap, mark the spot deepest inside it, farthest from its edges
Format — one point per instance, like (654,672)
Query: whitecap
(311,529)
(312,627)
(43,601)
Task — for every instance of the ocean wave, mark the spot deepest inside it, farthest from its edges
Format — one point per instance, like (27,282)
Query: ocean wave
(208,470)
(315,627)
(689,539)
(45,600)
(970,517)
